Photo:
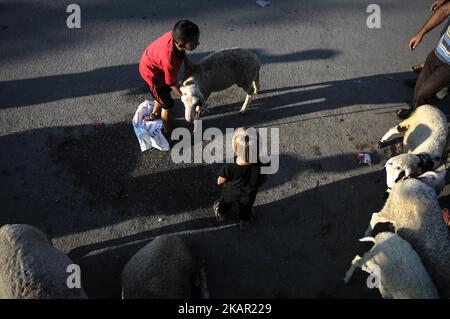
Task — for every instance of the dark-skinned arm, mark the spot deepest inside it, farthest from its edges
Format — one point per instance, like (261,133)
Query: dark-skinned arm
(436,19)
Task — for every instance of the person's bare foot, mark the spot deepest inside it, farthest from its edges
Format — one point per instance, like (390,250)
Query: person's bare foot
(416,68)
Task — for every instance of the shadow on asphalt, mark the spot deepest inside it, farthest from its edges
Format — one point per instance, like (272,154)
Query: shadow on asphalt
(74,179)
(278,104)
(312,236)
(47,30)
(112,79)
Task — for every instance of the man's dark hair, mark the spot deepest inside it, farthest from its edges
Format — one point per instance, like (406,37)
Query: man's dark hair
(185,31)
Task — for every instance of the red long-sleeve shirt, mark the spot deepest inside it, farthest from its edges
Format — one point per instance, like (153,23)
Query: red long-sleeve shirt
(161,62)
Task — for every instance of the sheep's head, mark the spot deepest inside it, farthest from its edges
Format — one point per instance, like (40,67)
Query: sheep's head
(401,167)
(194,104)
(434,179)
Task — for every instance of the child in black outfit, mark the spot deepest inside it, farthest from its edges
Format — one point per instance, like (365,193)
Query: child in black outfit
(240,180)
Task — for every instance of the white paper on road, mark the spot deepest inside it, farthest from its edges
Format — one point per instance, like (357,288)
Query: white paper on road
(263,3)
(149,133)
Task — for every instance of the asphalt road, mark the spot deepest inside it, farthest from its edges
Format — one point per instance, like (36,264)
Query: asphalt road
(328,82)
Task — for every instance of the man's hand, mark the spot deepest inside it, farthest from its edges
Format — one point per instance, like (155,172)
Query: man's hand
(176,89)
(415,41)
(437,4)
(221,180)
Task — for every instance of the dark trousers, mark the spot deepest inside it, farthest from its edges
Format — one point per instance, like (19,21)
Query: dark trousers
(245,206)
(434,76)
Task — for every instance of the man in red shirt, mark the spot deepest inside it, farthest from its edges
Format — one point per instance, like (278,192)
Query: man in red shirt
(161,62)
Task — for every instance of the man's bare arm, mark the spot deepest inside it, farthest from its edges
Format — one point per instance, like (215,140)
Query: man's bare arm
(176,89)
(436,19)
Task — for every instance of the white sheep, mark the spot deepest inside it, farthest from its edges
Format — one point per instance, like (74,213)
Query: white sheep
(413,209)
(219,71)
(31,268)
(396,269)
(424,142)
(163,269)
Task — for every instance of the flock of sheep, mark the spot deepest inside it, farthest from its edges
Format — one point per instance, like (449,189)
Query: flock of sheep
(413,262)
(414,180)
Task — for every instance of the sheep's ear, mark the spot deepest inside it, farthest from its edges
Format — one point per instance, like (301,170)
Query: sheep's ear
(400,176)
(408,172)
(387,163)
(184,90)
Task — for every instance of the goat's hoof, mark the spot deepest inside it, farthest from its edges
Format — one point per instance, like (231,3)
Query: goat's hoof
(381,144)
(242,112)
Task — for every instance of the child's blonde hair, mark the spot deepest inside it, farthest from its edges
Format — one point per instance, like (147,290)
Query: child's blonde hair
(244,144)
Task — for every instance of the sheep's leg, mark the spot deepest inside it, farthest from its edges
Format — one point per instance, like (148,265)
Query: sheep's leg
(246,103)
(398,129)
(255,87)
(255,84)
(248,88)
(356,262)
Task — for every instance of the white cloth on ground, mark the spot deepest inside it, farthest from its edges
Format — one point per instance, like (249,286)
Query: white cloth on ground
(149,133)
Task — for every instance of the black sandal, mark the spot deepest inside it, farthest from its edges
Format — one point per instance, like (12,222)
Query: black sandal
(154,116)
(403,113)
